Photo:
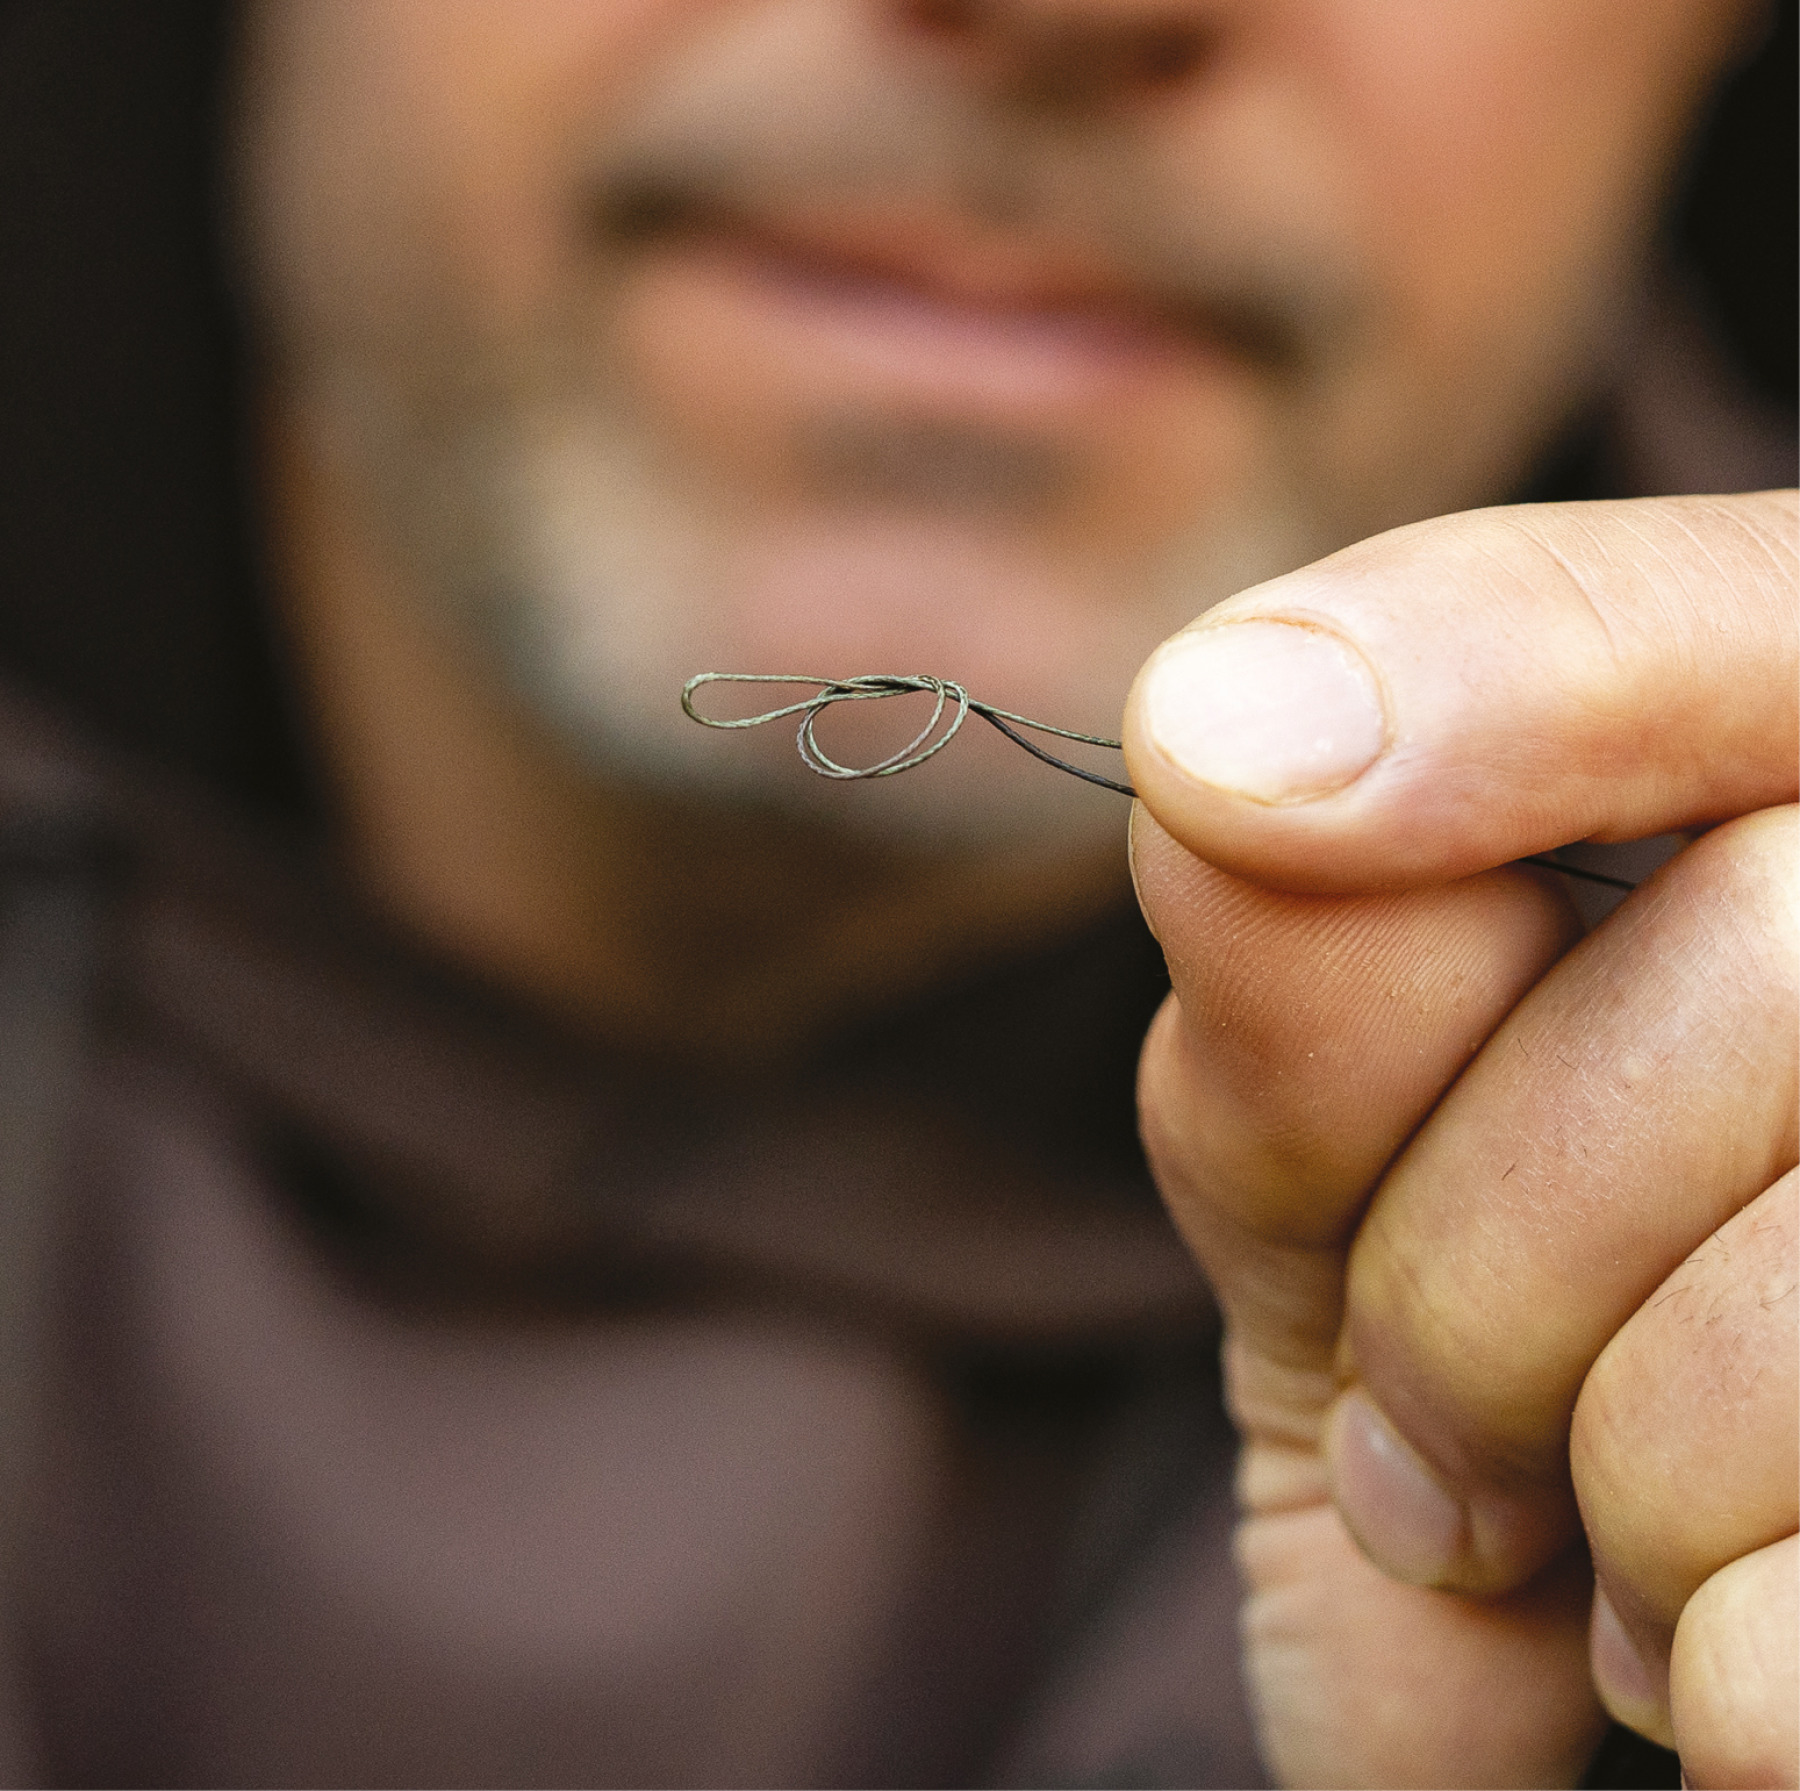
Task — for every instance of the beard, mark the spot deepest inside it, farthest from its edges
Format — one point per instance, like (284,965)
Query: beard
(590,575)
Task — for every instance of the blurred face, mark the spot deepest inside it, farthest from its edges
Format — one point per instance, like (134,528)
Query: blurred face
(991,338)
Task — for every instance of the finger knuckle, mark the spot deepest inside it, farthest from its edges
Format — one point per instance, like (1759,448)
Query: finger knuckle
(1684,1446)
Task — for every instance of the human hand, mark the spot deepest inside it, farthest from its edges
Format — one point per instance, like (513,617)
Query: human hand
(1503,1225)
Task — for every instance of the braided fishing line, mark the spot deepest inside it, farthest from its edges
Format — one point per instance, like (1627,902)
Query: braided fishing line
(948,696)
(951,707)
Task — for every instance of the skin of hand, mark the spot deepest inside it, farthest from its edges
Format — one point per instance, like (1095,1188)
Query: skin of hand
(1501,1218)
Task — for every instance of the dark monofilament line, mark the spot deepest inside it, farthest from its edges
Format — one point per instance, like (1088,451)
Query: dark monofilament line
(1575,870)
(949,696)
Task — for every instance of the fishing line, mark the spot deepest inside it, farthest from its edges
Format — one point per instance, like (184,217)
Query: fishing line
(951,707)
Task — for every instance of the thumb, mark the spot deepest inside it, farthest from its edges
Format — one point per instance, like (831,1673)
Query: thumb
(1466,691)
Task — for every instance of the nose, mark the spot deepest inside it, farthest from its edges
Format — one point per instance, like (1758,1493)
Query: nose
(1073,54)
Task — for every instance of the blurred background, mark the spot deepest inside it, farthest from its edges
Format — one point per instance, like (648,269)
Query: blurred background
(122,379)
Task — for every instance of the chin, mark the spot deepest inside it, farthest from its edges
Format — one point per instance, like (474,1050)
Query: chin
(614,699)
(601,583)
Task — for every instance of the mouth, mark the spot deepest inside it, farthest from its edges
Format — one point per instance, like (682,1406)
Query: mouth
(916,292)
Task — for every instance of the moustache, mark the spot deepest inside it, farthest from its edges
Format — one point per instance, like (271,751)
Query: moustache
(1181,251)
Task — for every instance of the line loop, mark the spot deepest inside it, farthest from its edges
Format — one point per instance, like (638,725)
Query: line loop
(950,700)
(937,733)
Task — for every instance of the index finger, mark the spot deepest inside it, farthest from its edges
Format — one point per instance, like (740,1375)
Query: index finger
(1466,691)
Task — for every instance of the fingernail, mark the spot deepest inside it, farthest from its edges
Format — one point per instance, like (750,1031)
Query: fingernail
(1630,1691)
(1268,710)
(1403,1520)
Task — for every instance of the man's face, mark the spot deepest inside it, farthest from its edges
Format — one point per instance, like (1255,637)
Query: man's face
(990,338)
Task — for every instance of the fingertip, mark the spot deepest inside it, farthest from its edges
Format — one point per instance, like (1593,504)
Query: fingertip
(1471,690)
(1419,1522)
(1734,1672)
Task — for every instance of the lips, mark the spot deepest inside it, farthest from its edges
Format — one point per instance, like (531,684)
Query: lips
(927,306)
(941,254)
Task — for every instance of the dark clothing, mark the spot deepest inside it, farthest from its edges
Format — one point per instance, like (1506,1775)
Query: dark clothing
(435,1399)
(420,1395)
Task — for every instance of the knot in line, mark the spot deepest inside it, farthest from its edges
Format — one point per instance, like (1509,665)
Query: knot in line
(951,707)
(953,700)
